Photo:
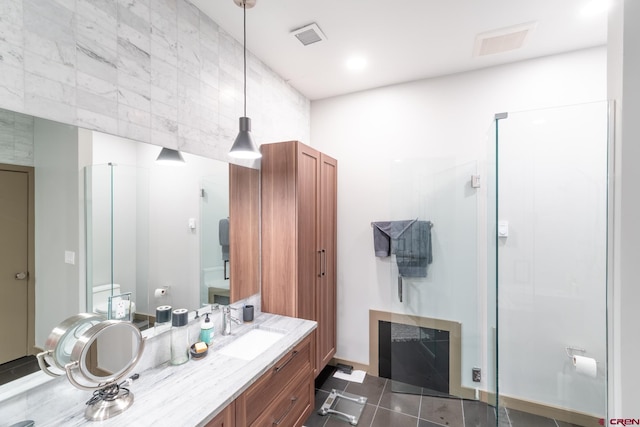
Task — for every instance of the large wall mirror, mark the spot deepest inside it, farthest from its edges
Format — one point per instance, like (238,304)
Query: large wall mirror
(93,215)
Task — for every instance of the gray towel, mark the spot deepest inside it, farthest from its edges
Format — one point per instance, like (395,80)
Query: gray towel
(413,251)
(385,234)
(223,236)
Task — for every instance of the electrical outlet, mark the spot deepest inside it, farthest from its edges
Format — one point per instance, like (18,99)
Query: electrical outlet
(476,375)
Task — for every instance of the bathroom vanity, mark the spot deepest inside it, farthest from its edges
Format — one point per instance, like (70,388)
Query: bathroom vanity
(261,374)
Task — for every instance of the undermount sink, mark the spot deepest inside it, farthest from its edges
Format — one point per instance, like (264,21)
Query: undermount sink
(251,344)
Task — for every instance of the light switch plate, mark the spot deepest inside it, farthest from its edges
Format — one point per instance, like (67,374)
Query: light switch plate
(70,257)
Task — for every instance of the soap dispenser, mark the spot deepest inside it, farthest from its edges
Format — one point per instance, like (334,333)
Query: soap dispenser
(206,330)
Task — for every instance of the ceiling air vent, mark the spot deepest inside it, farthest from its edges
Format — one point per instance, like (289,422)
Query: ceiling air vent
(503,39)
(309,34)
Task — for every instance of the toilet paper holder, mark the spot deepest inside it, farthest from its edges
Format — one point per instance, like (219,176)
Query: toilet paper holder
(570,351)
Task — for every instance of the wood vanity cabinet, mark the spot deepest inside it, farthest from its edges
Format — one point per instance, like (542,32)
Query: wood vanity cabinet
(226,418)
(299,227)
(284,395)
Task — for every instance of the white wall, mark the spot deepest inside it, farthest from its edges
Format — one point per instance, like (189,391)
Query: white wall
(624,88)
(58,226)
(446,117)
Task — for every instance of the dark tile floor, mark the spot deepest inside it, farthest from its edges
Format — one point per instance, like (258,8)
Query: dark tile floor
(18,368)
(385,408)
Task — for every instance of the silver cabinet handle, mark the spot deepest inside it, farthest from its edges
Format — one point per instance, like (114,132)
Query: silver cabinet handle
(281,367)
(22,275)
(291,405)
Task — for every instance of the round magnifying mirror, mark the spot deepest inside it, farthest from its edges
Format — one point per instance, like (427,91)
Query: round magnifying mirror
(103,355)
(108,351)
(62,339)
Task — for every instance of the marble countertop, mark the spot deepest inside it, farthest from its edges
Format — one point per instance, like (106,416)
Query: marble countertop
(186,395)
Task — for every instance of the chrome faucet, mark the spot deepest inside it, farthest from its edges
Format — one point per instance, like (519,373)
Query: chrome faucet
(227,318)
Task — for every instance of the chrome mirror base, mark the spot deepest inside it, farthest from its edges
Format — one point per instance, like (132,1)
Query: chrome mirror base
(105,409)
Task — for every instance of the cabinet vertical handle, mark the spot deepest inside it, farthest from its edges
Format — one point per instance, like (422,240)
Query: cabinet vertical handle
(324,265)
(291,405)
(281,367)
(320,263)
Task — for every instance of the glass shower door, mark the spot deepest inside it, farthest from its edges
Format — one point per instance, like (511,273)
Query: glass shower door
(117,233)
(431,345)
(550,242)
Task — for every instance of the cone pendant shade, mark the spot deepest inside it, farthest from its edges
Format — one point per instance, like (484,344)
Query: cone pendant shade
(169,156)
(244,147)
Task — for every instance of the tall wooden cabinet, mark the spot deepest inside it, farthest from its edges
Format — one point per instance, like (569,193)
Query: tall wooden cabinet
(299,227)
(244,232)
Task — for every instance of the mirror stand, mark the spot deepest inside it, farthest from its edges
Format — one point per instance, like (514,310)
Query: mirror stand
(108,402)
(82,333)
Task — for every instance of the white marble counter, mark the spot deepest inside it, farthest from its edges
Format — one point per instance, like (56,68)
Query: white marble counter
(186,395)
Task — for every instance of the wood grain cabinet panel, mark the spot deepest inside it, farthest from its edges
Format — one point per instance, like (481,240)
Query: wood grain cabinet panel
(226,418)
(299,228)
(285,392)
(294,406)
(244,222)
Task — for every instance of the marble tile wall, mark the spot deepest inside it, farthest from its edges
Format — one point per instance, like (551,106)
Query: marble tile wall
(157,71)
(16,138)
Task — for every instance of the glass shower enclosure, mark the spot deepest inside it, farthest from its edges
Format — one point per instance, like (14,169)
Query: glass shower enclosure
(549,222)
(507,324)
(431,345)
(117,235)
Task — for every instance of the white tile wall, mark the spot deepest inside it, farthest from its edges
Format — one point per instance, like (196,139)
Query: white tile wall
(157,71)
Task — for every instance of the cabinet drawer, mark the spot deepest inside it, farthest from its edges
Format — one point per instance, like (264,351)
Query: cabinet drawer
(260,394)
(293,405)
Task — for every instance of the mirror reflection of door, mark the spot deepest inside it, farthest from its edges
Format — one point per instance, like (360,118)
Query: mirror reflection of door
(16,317)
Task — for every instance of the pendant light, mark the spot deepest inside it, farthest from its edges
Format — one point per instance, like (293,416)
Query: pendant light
(244,147)
(170,156)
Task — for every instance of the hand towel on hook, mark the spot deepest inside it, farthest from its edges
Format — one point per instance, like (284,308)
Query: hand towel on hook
(385,233)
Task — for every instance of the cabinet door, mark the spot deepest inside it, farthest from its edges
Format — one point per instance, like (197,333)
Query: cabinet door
(244,231)
(255,400)
(292,407)
(309,250)
(279,239)
(226,418)
(326,288)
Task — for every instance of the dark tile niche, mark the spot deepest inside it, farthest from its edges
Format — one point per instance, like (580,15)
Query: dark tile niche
(414,355)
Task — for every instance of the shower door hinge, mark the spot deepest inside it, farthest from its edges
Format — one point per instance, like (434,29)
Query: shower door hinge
(475,181)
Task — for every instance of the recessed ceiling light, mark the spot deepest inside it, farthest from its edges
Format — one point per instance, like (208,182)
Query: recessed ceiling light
(594,8)
(356,63)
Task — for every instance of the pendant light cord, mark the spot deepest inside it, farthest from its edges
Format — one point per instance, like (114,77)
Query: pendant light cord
(244,9)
